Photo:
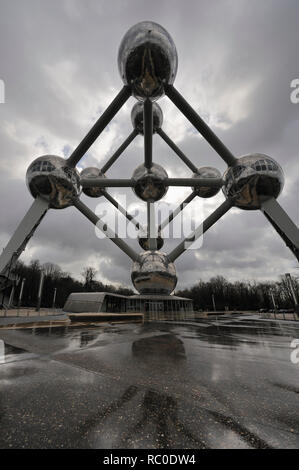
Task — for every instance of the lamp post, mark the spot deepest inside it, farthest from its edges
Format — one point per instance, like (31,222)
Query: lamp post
(21,292)
(213,300)
(40,291)
(54,298)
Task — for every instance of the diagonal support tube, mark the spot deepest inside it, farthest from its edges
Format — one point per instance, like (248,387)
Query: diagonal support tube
(106,230)
(99,126)
(119,151)
(177,210)
(121,209)
(148,133)
(283,225)
(179,153)
(200,125)
(207,223)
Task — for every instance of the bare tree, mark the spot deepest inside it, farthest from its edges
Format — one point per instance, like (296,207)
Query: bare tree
(52,270)
(89,274)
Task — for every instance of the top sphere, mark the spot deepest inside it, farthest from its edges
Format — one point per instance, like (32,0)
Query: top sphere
(254,179)
(147,60)
(137,117)
(52,179)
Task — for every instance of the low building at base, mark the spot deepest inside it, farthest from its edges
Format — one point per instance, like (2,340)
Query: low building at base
(153,307)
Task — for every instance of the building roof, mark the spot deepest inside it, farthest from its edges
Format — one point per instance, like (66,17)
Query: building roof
(92,296)
(97,296)
(157,297)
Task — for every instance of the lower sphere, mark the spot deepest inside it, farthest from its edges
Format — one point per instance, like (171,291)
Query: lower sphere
(144,241)
(153,273)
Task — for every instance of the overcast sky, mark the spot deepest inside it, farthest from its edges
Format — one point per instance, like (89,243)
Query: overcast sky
(236,62)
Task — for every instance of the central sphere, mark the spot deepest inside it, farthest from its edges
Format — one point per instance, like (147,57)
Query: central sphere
(147,60)
(154,274)
(255,179)
(137,117)
(92,172)
(150,185)
(52,179)
(207,172)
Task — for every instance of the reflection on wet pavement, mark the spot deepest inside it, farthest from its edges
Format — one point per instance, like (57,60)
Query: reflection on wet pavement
(161,346)
(220,383)
(9,353)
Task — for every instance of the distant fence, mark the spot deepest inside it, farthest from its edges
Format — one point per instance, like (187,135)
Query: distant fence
(280,315)
(29,312)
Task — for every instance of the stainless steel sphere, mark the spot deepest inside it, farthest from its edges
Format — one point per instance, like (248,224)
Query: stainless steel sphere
(147,60)
(253,180)
(143,241)
(137,117)
(51,178)
(154,274)
(150,185)
(92,172)
(207,172)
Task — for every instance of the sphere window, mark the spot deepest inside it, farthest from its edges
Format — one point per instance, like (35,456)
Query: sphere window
(264,165)
(36,166)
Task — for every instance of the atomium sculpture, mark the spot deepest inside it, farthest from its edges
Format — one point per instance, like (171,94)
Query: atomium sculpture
(147,62)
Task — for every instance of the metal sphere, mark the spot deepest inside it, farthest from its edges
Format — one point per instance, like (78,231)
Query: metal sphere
(92,172)
(207,172)
(150,185)
(253,180)
(153,273)
(137,117)
(51,178)
(143,241)
(147,60)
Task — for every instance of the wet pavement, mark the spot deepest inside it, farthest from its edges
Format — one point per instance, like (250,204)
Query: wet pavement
(215,383)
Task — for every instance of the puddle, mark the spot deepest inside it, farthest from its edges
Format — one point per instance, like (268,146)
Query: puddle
(238,332)
(70,338)
(164,345)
